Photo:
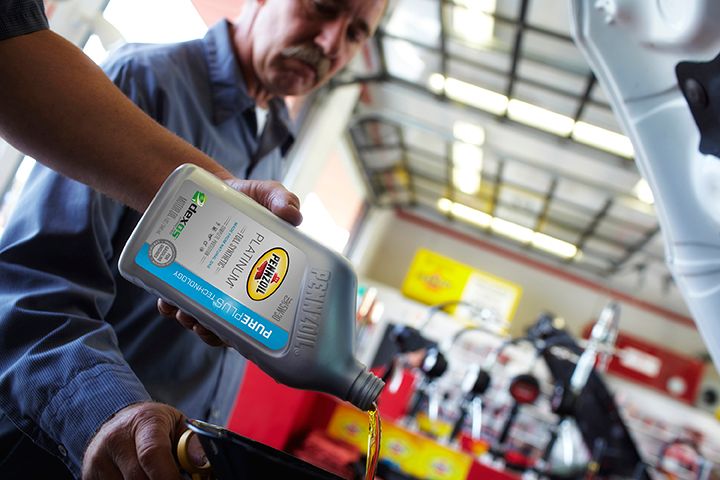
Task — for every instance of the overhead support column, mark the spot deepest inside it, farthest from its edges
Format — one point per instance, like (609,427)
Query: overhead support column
(323,130)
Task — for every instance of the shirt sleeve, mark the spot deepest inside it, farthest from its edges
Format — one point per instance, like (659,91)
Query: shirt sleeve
(62,374)
(133,73)
(18,17)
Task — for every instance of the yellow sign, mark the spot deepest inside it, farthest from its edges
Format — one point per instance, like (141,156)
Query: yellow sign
(415,454)
(350,425)
(434,428)
(267,274)
(399,446)
(433,279)
(437,462)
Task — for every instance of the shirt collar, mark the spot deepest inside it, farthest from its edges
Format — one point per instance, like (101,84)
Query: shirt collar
(229,92)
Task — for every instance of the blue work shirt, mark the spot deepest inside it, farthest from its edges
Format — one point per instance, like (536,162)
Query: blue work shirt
(77,341)
(18,17)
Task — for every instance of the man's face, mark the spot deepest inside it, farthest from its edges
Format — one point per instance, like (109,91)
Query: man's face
(300,44)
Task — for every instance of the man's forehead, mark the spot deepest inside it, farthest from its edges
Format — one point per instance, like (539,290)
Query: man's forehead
(368,12)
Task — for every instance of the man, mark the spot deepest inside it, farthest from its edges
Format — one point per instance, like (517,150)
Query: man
(82,352)
(48,84)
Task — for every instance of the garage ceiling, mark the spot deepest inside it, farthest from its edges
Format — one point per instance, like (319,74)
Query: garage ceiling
(484,111)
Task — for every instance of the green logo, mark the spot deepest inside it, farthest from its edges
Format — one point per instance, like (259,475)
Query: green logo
(198,200)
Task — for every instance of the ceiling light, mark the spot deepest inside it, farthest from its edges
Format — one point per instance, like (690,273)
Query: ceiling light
(553,245)
(643,192)
(531,115)
(466,181)
(445,205)
(603,139)
(473,21)
(479,97)
(467,167)
(509,229)
(541,118)
(468,93)
(464,212)
(467,157)
(436,82)
(469,133)
(512,230)
(471,215)
(406,58)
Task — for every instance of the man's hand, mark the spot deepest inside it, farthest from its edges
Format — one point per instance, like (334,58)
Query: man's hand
(271,195)
(172,312)
(138,442)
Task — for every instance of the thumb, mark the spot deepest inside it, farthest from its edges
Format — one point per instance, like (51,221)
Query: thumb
(196,452)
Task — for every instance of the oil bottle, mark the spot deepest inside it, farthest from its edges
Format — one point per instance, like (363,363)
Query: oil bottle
(283,300)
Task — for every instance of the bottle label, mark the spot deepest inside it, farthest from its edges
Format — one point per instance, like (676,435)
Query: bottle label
(239,270)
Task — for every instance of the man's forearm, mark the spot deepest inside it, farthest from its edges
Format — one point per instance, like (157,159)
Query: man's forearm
(59,107)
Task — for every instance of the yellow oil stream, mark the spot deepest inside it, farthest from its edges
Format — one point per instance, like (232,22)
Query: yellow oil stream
(374,436)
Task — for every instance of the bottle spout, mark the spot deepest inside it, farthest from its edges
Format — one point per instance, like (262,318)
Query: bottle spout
(365,390)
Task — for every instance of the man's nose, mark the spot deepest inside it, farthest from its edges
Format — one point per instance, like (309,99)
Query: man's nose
(333,36)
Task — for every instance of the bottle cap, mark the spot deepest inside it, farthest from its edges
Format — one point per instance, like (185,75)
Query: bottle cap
(365,390)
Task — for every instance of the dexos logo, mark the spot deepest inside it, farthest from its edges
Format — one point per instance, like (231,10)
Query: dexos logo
(267,274)
(198,200)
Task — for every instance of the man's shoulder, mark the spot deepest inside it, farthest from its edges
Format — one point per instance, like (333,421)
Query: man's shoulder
(153,57)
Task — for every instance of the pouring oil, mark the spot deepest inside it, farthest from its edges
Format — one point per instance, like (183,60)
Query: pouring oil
(283,300)
(374,439)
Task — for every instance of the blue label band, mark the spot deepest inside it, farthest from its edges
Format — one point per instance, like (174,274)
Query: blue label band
(222,305)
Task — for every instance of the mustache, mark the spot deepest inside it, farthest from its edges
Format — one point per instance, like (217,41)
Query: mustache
(311,55)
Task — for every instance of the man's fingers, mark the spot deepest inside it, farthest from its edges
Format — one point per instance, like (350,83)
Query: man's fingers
(189,322)
(157,461)
(165,309)
(285,205)
(136,443)
(127,463)
(207,336)
(114,458)
(185,320)
(273,196)
(290,214)
(196,452)
(120,448)
(154,443)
